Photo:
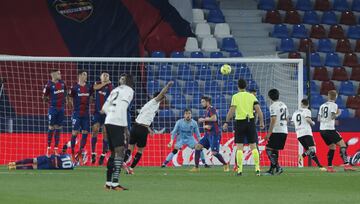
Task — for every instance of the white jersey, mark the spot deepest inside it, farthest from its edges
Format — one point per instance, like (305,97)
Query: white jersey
(280,110)
(117,104)
(148,112)
(325,112)
(302,127)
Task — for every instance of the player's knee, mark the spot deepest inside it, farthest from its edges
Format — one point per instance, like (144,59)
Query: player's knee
(312,150)
(332,146)
(140,150)
(175,151)
(84,132)
(198,147)
(51,127)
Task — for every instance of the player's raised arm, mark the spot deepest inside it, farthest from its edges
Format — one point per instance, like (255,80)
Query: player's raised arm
(160,96)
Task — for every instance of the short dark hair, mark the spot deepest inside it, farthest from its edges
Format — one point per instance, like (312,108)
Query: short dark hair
(305,102)
(187,110)
(206,98)
(242,84)
(273,94)
(129,80)
(53,70)
(81,71)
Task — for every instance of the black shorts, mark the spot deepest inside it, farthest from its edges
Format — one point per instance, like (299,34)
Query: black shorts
(245,129)
(138,135)
(277,141)
(115,136)
(307,141)
(330,136)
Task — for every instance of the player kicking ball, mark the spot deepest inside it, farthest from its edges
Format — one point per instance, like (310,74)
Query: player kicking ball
(212,135)
(302,120)
(328,113)
(277,133)
(184,130)
(141,128)
(44,162)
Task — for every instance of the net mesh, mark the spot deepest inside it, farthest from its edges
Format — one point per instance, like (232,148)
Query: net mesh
(24,119)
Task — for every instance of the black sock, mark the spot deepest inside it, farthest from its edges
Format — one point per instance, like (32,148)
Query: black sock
(118,161)
(271,158)
(136,159)
(330,156)
(314,157)
(276,158)
(197,157)
(343,155)
(24,161)
(105,146)
(93,144)
(57,137)
(127,155)
(110,169)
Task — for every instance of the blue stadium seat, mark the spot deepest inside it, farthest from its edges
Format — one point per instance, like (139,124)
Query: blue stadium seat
(184,72)
(204,72)
(299,31)
(197,55)
(329,18)
(166,72)
(153,86)
(355,5)
(353,32)
(175,89)
(222,112)
(211,87)
(286,45)
(315,60)
(152,74)
(252,85)
(235,54)
(177,54)
(196,101)
(178,101)
(230,87)
(332,60)
(304,5)
(316,101)
(209,4)
(345,113)
(340,5)
(347,88)
(262,101)
(215,16)
(267,5)
(229,45)
(339,101)
(314,89)
(243,72)
(311,17)
(219,101)
(216,55)
(192,87)
(158,54)
(325,45)
(280,31)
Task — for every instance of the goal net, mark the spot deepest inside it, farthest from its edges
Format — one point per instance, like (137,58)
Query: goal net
(24,115)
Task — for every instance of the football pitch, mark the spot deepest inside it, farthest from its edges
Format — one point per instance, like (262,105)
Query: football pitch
(178,185)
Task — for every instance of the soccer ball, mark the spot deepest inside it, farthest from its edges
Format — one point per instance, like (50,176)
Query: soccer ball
(225,69)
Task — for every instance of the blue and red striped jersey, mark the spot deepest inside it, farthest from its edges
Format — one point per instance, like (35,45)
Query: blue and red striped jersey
(101,95)
(56,91)
(81,98)
(214,125)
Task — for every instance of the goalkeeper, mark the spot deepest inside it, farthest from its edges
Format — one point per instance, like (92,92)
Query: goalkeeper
(184,130)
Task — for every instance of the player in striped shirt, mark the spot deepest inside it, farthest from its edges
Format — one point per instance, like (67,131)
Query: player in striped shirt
(80,94)
(55,93)
(102,91)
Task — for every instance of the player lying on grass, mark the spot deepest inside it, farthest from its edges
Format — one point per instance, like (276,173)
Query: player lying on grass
(184,131)
(62,161)
(328,112)
(302,121)
(141,128)
(212,136)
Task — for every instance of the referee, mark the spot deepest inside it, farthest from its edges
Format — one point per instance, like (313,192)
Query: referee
(243,104)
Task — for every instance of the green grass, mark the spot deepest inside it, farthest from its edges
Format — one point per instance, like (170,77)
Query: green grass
(178,185)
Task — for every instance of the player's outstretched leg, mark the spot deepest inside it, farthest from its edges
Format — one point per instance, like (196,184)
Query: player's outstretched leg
(272,160)
(137,158)
(198,149)
(343,154)
(330,157)
(202,157)
(221,159)
(109,172)
(169,157)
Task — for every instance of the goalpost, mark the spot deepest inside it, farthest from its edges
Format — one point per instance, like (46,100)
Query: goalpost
(23,114)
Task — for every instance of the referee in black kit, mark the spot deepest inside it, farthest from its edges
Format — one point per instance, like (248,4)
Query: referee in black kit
(243,104)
